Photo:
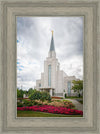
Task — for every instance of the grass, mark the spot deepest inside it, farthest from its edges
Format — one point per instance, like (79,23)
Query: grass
(42,114)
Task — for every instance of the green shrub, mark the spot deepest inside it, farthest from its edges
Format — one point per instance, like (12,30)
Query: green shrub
(19,104)
(27,103)
(45,96)
(35,102)
(39,104)
(37,95)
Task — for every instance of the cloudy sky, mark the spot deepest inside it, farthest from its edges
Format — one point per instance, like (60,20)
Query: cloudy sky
(33,43)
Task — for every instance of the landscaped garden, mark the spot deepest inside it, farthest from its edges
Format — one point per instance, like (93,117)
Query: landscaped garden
(40,104)
(51,109)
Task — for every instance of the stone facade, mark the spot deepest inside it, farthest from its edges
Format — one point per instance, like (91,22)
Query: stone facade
(54,80)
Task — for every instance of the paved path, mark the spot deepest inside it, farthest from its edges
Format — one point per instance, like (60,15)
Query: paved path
(78,105)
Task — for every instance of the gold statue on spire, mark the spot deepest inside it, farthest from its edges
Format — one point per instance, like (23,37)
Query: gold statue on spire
(52,32)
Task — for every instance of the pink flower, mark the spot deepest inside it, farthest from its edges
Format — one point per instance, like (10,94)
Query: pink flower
(51,109)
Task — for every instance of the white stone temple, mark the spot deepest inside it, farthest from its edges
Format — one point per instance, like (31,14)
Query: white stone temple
(54,80)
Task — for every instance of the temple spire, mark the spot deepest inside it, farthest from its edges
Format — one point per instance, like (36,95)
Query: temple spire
(52,32)
(52,47)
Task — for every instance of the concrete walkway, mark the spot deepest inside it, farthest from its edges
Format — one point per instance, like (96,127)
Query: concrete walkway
(78,105)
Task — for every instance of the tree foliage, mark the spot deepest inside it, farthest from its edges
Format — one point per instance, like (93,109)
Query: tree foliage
(77,85)
(31,91)
(20,93)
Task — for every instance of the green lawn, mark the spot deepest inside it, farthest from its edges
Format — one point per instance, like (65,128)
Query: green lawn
(42,114)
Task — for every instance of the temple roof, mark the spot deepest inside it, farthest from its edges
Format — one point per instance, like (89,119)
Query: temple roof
(52,47)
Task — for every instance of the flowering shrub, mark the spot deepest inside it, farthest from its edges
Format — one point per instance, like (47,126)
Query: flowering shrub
(39,102)
(55,97)
(66,104)
(45,103)
(51,109)
(56,103)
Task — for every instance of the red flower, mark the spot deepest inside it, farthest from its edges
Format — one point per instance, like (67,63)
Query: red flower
(51,109)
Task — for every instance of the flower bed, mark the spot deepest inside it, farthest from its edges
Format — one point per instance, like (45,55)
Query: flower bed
(56,97)
(62,104)
(51,109)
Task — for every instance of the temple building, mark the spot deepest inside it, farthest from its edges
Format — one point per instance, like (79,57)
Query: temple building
(54,80)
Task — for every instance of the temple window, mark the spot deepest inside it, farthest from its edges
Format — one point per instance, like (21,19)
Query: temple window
(49,75)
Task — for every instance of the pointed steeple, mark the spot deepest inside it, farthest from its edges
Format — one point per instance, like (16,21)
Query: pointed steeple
(52,47)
